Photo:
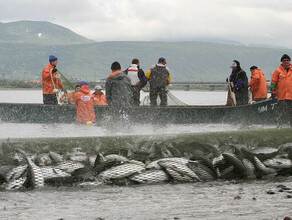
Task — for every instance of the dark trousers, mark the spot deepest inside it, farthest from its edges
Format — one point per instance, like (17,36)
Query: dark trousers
(155,92)
(241,98)
(136,95)
(284,112)
(50,99)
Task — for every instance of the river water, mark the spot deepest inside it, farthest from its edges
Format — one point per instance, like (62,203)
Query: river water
(212,200)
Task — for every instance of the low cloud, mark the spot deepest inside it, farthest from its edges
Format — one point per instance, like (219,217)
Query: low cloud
(247,21)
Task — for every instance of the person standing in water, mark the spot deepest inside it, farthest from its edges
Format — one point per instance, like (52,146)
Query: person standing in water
(83,101)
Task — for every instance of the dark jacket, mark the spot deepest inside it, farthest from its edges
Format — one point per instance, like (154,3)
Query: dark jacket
(118,90)
(239,82)
(158,76)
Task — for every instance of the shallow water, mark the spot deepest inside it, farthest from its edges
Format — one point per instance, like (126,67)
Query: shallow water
(213,200)
(217,200)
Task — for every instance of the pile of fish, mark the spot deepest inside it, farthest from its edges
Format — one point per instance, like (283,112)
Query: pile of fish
(77,168)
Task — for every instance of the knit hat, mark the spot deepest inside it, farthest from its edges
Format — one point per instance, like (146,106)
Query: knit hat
(53,58)
(161,59)
(285,56)
(83,83)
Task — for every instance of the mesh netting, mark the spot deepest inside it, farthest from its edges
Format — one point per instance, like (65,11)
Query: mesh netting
(171,100)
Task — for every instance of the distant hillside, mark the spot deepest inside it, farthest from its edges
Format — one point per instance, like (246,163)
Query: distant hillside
(197,61)
(39,32)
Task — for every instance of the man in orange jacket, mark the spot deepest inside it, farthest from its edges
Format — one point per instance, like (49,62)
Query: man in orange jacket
(83,101)
(281,88)
(51,82)
(99,96)
(69,97)
(258,84)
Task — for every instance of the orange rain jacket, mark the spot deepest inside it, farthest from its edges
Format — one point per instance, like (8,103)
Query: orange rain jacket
(258,83)
(70,96)
(282,79)
(99,99)
(48,86)
(83,101)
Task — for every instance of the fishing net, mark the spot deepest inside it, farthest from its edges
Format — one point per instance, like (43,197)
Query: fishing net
(171,100)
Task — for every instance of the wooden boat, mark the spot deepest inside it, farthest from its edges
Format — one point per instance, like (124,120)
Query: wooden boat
(258,113)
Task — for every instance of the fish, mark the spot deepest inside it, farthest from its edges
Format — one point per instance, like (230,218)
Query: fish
(264,153)
(109,163)
(51,172)
(116,157)
(15,184)
(179,168)
(263,170)
(36,178)
(43,159)
(120,171)
(203,172)
(150,176)
(155,164)
(69,166)
(56,157)
(249,168)
(178,176)
(99,159)
(235,161)
(278,163)
(16,172)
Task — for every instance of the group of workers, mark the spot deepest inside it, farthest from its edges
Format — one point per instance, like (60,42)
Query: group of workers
(281,86)
(123,87)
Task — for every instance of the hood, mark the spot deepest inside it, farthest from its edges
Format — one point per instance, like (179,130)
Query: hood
(85,89)
(118,75)
(260,72)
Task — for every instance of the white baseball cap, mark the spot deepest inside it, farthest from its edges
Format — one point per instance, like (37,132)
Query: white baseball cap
(98,87)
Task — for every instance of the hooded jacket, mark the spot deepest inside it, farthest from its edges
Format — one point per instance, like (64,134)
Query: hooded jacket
(48,80)
(118,90)
(99,99)
(83,101)
(282,82)
(258,83)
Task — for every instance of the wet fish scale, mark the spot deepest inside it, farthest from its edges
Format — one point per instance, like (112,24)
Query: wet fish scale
(155,165)
(15,173)
(49,172)
(121,171)
(36,174)
(69,166)
(278,163)
(180,168)
(150,176)
(15,184)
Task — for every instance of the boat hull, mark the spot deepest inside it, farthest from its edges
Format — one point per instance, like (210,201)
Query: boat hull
(258,113)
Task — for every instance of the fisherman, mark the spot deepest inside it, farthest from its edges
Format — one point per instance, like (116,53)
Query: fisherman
(239,83)
(118,88)
(158,77)
(258,84)
(138,79)
(99,96)
(281,89)
(69,97)
(83,101)
(51,83)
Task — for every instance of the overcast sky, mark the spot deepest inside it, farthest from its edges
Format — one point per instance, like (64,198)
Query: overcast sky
(247,21)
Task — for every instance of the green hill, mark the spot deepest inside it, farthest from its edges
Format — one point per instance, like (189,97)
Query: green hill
(39,32)
(198,61)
